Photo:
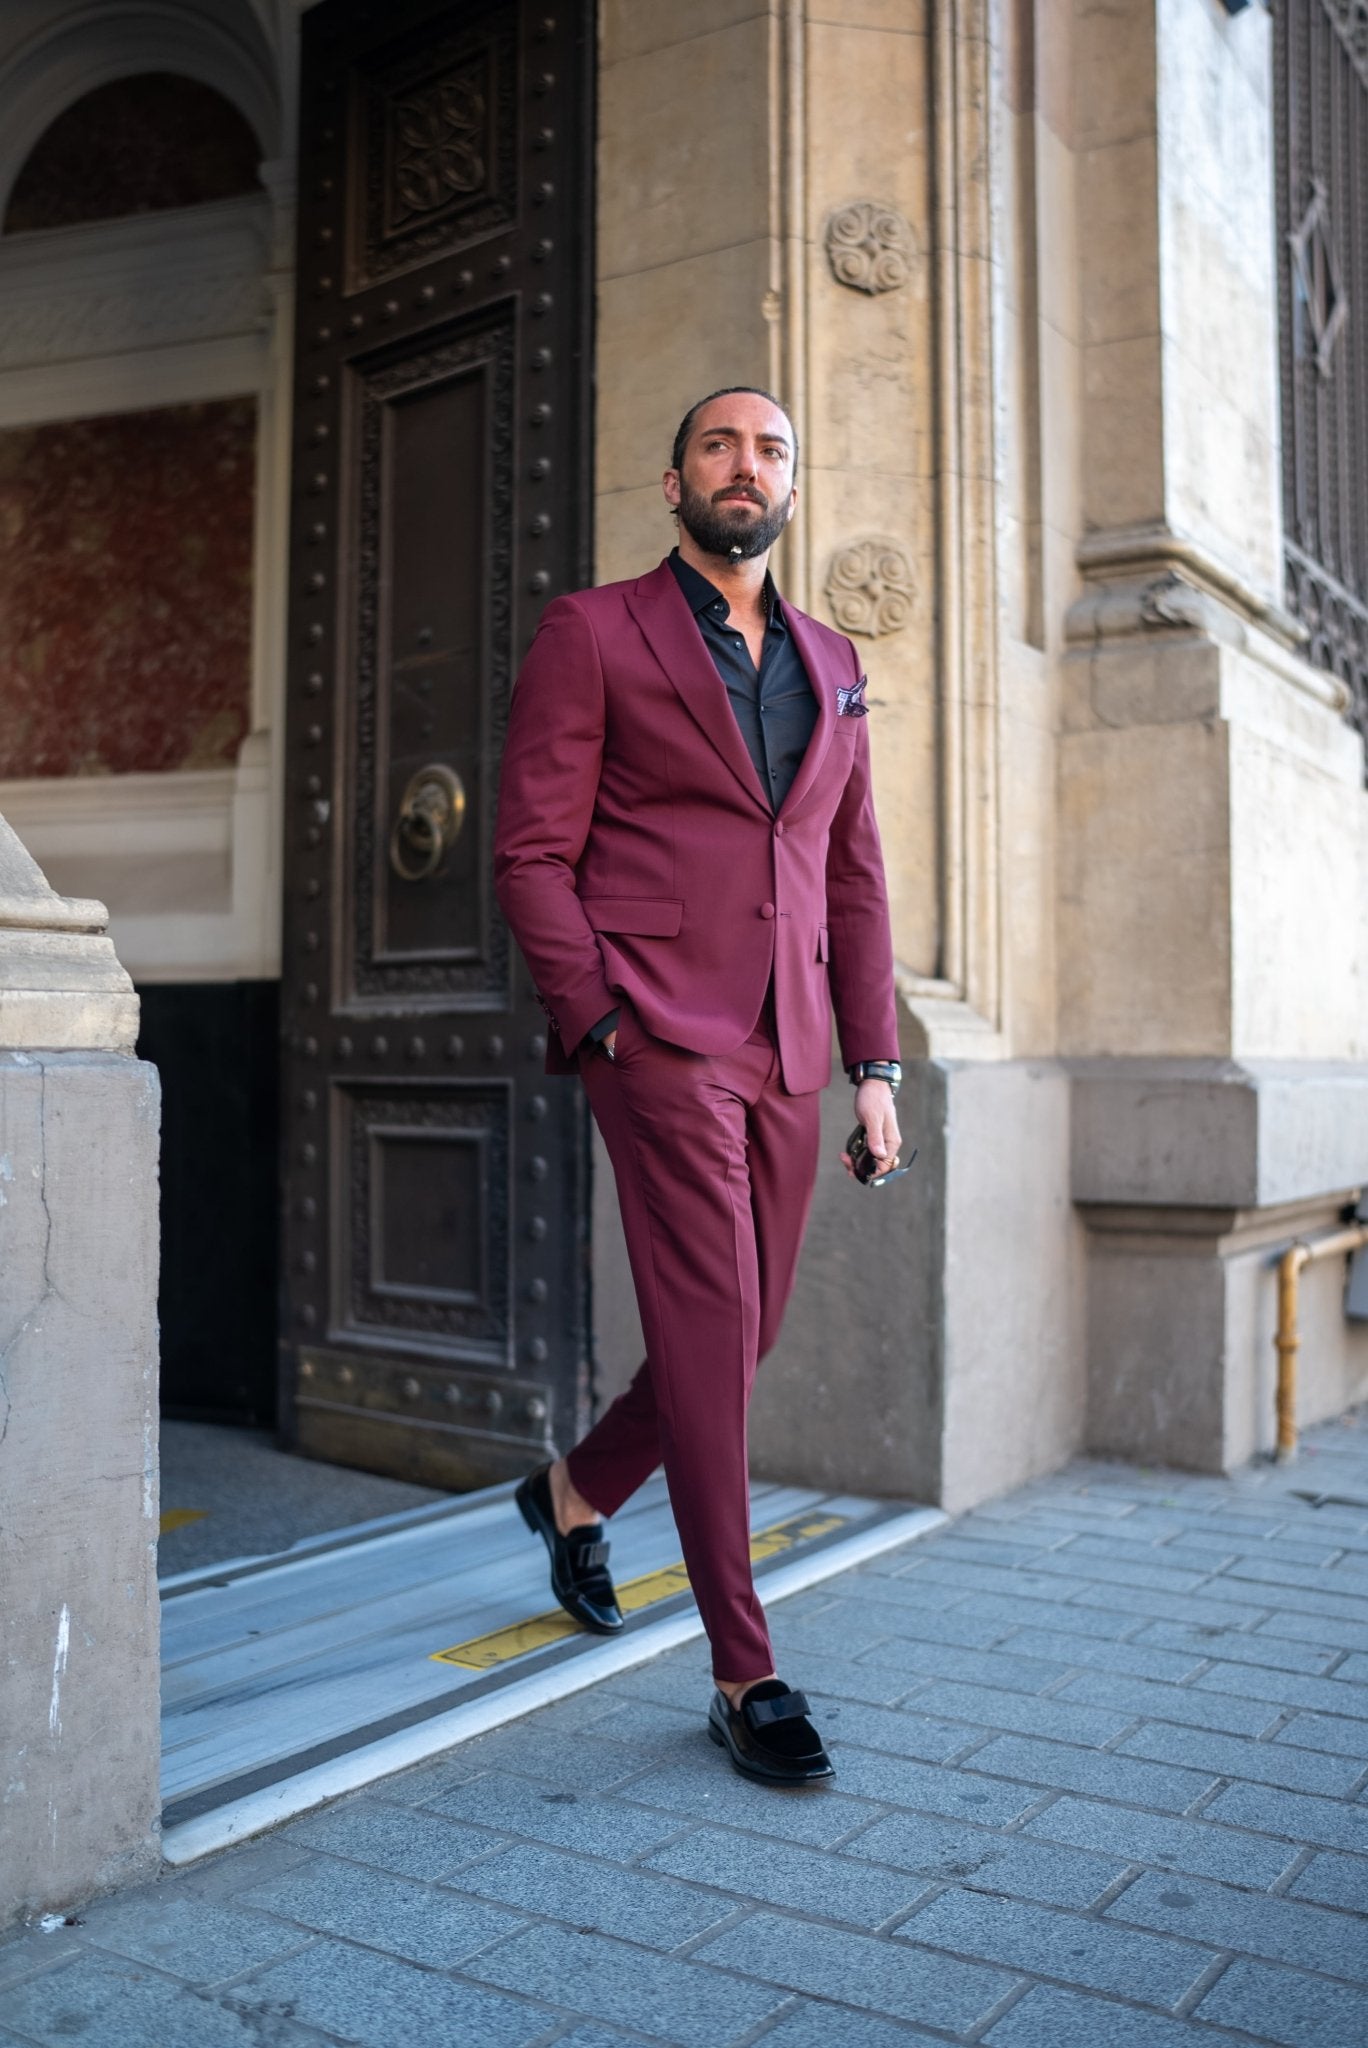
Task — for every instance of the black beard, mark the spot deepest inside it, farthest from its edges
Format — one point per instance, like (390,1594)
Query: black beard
(726,531)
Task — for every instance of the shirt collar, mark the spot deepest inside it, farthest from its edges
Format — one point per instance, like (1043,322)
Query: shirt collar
(700,594)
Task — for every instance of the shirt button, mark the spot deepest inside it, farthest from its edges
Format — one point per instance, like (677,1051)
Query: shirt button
(766,910)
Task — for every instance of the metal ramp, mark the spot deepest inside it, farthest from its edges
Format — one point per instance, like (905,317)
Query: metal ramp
(288,1680)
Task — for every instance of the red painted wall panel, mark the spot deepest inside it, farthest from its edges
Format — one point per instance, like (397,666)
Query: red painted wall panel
(126,591)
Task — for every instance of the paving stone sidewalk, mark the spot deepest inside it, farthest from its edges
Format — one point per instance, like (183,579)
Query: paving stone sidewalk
(1102,1752)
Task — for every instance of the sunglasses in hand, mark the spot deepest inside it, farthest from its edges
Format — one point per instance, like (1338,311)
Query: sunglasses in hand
(866,1163)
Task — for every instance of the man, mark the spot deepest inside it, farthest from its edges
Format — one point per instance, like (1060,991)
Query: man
(686,853)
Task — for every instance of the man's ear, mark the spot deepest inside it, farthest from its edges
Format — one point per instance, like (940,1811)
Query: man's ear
(669,483)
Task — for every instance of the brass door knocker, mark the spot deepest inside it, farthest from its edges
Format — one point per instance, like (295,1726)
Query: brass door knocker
(429,820)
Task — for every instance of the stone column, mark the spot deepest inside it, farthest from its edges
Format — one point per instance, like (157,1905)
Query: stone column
(79,1118)
(1213,825)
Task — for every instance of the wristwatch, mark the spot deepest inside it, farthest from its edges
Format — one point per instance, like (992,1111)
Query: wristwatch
(877,1070)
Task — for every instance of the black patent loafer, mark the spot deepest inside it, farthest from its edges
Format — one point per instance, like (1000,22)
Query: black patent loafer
(769,1735)
(579,1561)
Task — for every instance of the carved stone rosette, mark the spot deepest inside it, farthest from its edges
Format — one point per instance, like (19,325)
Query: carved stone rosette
(870,586)
(870,247)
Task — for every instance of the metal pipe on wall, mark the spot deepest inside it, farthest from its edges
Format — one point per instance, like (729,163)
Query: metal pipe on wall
(1288,1340)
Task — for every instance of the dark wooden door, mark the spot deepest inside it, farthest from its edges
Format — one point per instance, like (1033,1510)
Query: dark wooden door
(434,1255)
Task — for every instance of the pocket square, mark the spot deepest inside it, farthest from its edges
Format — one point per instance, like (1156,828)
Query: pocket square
(850,702)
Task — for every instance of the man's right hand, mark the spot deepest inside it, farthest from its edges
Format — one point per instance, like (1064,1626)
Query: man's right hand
(609,1044)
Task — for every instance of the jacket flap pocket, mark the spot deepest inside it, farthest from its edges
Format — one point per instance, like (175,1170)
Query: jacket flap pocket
(656,917)
(823,946)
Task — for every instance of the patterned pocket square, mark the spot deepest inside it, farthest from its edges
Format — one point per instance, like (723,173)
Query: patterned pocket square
(850,703)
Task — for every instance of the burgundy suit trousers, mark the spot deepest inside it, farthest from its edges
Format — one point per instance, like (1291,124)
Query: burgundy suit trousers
(715,1166)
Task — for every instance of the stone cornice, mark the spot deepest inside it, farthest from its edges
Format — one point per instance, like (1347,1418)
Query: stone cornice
(62,988)
(1149,550)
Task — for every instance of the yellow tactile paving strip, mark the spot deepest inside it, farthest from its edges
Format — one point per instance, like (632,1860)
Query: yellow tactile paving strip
(502,1645)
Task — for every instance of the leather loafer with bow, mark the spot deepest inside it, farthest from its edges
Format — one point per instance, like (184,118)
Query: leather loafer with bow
(579,1561)
(769,1735)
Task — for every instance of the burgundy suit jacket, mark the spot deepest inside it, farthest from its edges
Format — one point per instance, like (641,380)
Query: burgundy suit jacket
(636,855)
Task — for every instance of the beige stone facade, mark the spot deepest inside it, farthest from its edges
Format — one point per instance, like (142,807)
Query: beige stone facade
(1125,818)
(1012,265)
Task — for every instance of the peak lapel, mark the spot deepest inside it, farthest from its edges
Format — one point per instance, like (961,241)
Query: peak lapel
(658,605)
(823,679)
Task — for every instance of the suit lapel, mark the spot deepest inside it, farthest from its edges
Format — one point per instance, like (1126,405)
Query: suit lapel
(823,682)
(659,607)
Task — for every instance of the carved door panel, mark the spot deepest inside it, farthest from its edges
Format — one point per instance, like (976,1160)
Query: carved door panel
(433,1296)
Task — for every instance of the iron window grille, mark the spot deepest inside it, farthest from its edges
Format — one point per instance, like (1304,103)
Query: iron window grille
(1321,131)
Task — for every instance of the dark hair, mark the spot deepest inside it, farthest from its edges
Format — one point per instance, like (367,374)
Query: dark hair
(685,428)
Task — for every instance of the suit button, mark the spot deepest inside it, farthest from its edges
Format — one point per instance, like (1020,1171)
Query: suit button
(766,910)
(779,831)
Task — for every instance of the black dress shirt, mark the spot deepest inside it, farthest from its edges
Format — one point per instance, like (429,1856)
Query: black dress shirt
(776,706)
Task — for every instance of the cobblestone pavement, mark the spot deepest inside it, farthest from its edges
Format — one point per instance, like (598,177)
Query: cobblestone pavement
(1102,1750)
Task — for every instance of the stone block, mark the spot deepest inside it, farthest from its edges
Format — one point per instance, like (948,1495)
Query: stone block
(699,196)
(1298,1816)
(1049,2017)
(1310,1628)
(1334,1880)
(1279,1930)
(1233,1646)
(903,1732)
(1167,1788)
(1114,77)
(1101,1566)
(709,1789)
(1123,474)
(1327,1732)
(986,1706)
(1131,1658)
(1181,1704)
(826,2026)
(597,1898)
(958,1794)
(1256,1763)
(632,28)
(1145,965)
(1049,1944)
(377,2002)
(1196,1846)
(390,1838)
(782,1874)
(694,2007)
(187,1937)
(1285,2006)
(1001,1667)
(571,1761)
(1290,1689)
(122,2005)
(858,1971)
(1118,225)
(79,1625)
(938,1851)
(513,1806)
(654,360)
(382,1912)
(1002,1613)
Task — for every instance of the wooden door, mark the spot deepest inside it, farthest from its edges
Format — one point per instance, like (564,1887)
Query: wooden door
(434,1244)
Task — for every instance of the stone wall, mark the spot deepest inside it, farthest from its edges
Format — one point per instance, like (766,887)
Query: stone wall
(79,1619)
